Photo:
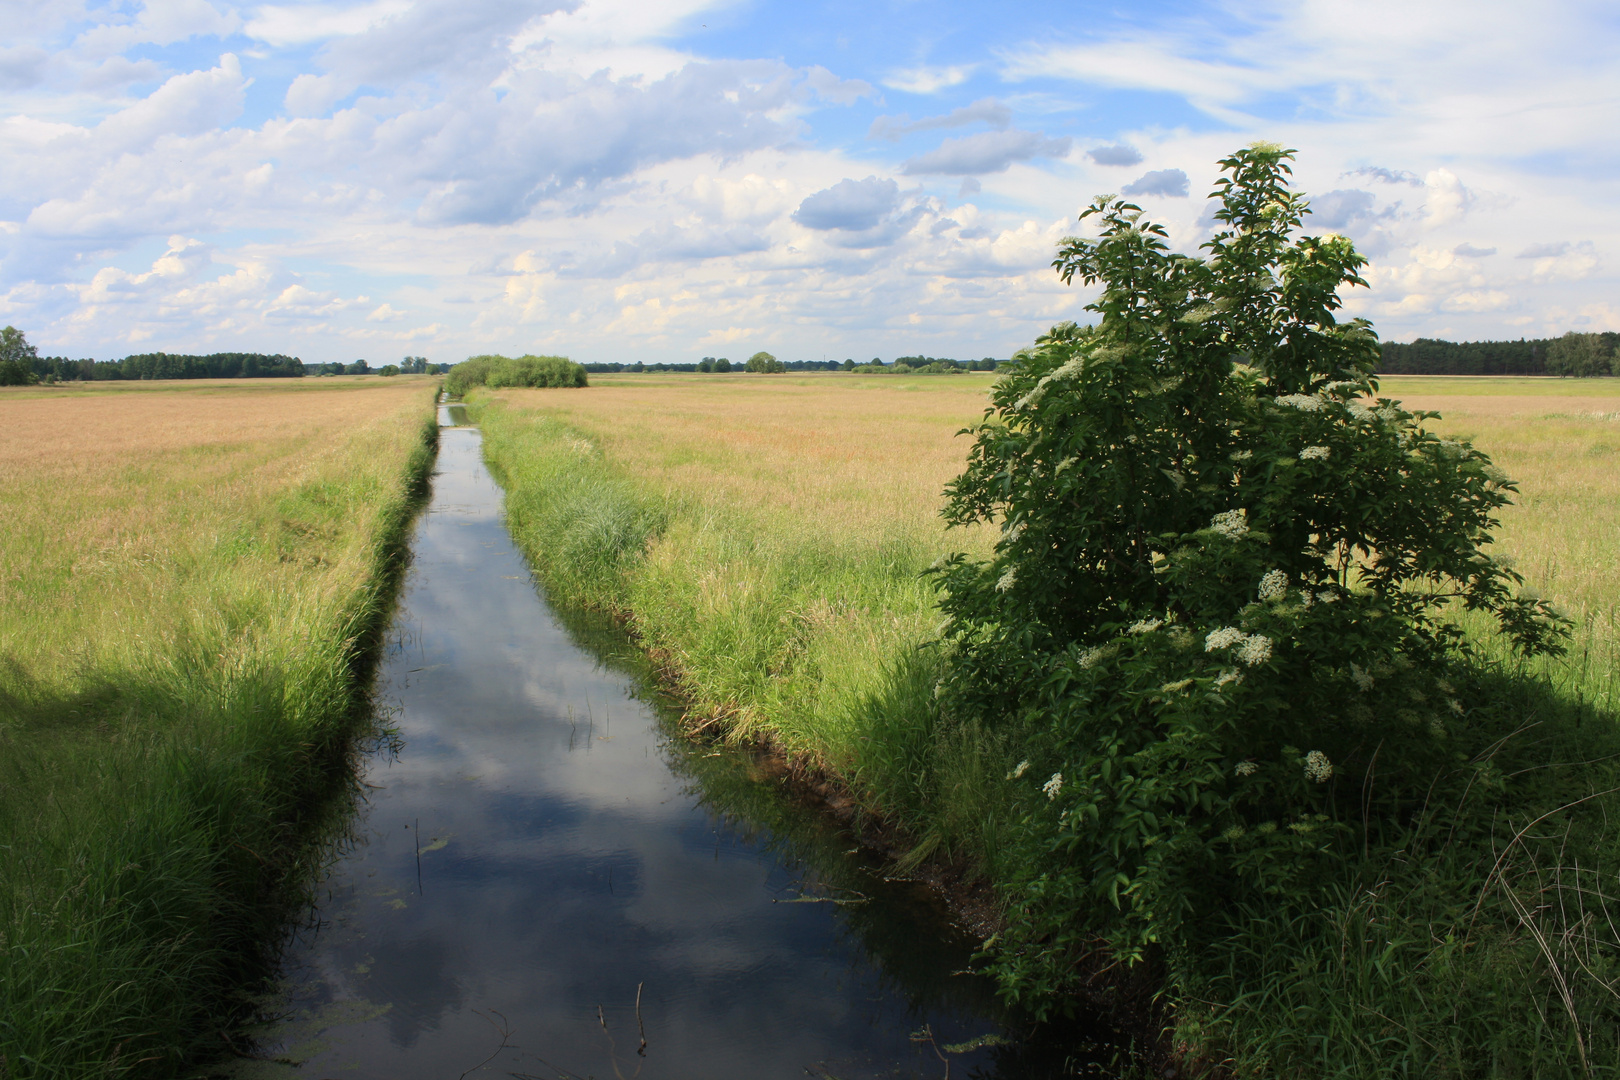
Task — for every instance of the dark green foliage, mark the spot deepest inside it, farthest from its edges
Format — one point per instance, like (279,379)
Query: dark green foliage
(764,363)
(1216,618)
(1430,356)
(497,371)
(1582,355)
(388,369)
(213,366)
(17,358)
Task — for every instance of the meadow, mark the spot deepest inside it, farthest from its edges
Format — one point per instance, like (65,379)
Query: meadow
(191,576)
(765,537)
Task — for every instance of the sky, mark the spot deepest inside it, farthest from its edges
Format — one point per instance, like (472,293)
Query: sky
(621,180)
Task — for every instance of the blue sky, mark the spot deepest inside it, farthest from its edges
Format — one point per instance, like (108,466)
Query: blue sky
(623,180)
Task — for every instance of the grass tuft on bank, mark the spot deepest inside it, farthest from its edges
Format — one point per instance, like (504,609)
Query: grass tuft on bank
(190,589)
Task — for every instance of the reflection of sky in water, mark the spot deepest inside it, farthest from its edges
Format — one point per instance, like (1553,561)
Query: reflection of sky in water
(563,864)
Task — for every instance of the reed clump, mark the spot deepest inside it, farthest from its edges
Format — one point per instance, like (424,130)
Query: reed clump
(190,584)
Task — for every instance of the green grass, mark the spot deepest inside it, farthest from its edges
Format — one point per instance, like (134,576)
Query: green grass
(764,538)
(190,600)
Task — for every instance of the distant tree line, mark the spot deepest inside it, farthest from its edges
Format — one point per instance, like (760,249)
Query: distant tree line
(766,363)
(411,365)
(21,365)
(1571,355)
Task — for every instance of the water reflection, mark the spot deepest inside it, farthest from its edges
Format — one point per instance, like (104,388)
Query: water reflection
(542,850)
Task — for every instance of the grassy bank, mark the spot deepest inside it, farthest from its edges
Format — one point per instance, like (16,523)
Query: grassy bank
(190,579)
(764,537)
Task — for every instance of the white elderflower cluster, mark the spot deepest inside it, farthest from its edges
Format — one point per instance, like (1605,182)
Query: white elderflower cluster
(1246,768)
(1359,411)
(1302,402)
(1314,453)
(1256,650)
(1273,586)
(1053,786)
(1031,398)
(1096,655)
(1144,626)
(1005,581)
(1241,455)
(1455,706)
(1224,638)
(1070,369)
(1233,832)
(1317,766)
(1344,388)
(1228,676)
(1363,679)
(1175,687)
(1233,523)
(1019,770)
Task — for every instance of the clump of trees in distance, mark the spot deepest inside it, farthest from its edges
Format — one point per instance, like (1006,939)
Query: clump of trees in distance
(763,363)
(410,365)
(1583,355)
(495,370)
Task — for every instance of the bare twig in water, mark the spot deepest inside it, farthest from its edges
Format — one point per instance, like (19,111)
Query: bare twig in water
(418,836)
(613,1053)
(927,1035)
(858,898)
(641,1051)
(505,1032)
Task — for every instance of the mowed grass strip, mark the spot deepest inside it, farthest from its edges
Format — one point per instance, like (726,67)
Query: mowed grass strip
(766,534)
(189,578)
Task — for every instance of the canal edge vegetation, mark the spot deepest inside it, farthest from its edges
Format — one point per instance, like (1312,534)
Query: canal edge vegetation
(1459,933)
(163,799)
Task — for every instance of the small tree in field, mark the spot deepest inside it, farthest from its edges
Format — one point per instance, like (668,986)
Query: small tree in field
(1219,593)
(764,363)
(17,358)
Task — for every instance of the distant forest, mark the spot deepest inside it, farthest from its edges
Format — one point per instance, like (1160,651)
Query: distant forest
(1527,356)
(229,365)
(722,364)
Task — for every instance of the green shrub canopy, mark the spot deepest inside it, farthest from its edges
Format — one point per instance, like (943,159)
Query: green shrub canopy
(1220,589)
(497,371)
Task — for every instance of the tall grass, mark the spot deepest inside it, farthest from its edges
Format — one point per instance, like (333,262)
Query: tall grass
(766,543)
(190,589)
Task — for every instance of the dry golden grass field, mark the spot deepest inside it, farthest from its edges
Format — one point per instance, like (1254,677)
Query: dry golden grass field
(1560,439)
(134,508)
(853,456)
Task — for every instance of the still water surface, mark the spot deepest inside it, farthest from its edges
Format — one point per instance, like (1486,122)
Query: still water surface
(540,847)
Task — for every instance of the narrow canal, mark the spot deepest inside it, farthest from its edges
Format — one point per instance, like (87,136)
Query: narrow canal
(545,881)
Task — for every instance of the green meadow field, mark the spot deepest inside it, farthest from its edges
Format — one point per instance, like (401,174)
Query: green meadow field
(766,535)
(191,575)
